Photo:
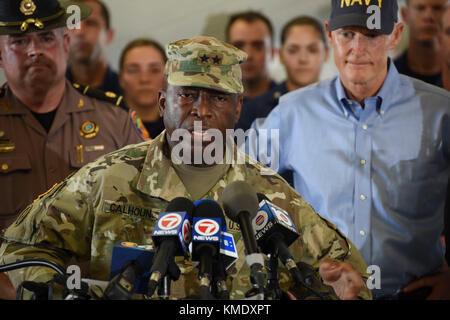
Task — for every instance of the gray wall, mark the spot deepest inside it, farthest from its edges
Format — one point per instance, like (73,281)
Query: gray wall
(169,20)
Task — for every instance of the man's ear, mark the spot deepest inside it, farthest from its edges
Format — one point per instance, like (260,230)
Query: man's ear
(404,13)
(328,32)
(237,113)
(162,102)
(396,35)
(110,36)
(66,44)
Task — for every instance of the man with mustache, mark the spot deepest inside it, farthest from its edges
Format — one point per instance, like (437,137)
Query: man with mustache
(48,129)
(201,97)
(370,150)
(422,59)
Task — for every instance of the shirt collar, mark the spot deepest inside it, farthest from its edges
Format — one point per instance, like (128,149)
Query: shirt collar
(385,96)
(159,179)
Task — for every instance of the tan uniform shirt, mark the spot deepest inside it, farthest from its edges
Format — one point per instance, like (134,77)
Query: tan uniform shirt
(32,161)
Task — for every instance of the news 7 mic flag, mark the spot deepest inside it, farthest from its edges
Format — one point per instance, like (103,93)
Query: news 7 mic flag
(169,226)
(273,219)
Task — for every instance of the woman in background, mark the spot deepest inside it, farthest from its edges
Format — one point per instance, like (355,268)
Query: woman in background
(141,75)
(303,51)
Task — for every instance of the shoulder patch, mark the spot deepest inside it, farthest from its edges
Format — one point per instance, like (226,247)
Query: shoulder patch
(107,96)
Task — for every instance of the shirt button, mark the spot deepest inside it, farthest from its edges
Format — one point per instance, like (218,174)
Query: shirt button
(382,111)
(362,233)
(2,133)
(362,197)
(363,162)
(364,126)
(5,167)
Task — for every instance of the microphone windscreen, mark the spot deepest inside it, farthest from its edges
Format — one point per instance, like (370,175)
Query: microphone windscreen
(262,197)
(239,197)
(181,204)
(206,208)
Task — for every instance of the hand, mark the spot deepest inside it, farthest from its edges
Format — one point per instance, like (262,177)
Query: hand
(7,291)
(440,284)
(342,277)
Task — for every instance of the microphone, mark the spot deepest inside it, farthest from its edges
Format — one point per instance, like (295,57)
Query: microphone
(275,232)
(206,240)
(241,205)
(171,237)
(129,273)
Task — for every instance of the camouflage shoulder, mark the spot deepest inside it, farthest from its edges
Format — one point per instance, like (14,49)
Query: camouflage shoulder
(133,154)
(107,96)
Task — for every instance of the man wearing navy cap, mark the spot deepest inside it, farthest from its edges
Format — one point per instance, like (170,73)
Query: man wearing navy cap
(370,151)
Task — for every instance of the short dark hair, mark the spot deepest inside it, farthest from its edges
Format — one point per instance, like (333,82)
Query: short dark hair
(104,10)
(249,16)
(141,42)
(304,21)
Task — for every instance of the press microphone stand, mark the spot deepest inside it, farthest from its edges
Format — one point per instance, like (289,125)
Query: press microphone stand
(273,290)
(173,273)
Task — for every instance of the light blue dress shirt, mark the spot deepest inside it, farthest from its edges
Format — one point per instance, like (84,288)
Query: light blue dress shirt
(379,173)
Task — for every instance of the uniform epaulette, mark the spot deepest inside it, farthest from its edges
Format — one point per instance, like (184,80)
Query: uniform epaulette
(108,96)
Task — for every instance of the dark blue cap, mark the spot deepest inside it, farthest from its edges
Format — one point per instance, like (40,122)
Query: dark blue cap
(376,15)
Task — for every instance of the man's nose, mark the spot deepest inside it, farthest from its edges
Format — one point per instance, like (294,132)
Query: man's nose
(201,107)
(430,14)
(35,47)
(359,44)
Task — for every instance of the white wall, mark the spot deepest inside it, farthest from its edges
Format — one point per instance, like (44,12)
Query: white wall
(170,20)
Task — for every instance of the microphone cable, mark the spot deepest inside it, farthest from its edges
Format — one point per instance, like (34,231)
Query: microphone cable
(31,263)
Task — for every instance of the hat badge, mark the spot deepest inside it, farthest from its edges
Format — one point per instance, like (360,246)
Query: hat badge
(27,7)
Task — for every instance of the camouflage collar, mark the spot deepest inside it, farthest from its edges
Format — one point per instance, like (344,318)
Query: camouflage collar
(159,179)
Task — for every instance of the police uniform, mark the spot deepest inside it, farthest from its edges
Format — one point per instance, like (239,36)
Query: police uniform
(32,160)
(119,196)
(35,154)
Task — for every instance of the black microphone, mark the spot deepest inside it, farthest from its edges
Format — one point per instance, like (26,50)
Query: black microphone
(206,237)
(275,232)
(171,236)
(241,205)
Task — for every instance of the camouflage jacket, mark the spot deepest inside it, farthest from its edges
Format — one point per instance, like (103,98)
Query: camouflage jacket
(119,196)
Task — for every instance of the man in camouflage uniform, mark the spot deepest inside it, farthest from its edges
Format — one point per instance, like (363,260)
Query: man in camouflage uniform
(119,196)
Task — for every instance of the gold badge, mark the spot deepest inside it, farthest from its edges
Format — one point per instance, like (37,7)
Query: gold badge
(110,94)
(7,146)
(89,129)
(27,7)
(80,103)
